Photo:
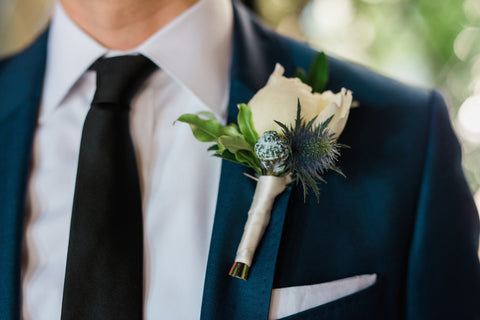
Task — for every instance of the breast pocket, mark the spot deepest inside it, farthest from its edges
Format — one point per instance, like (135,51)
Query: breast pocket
(350,298)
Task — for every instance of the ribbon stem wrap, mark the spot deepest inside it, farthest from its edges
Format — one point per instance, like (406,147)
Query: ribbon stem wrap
(267,189)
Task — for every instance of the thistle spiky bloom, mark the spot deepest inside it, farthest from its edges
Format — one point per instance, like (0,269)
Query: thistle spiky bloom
(314,151)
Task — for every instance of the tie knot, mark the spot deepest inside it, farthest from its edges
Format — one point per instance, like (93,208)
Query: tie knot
(119,78)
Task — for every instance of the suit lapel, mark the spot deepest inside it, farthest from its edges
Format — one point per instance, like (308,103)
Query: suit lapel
(255,55)
(21,80)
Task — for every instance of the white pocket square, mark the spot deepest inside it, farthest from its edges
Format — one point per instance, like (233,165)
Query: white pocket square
(288,301)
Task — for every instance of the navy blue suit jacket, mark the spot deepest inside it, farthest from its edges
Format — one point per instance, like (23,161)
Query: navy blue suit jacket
(404,210)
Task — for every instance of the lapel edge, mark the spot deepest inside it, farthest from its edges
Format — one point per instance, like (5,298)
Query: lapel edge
(256,50)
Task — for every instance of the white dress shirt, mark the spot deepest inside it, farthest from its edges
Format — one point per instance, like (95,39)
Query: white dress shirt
(179,178)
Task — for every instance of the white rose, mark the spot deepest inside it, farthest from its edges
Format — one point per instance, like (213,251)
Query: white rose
(278,101)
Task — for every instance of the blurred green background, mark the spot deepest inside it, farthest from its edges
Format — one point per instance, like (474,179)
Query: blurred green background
(425,43)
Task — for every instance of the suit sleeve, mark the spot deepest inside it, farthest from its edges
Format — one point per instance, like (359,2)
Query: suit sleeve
(443,269)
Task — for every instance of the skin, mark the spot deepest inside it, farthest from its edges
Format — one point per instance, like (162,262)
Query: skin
(123,24)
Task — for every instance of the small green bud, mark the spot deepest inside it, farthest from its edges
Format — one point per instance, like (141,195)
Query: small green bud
(273,151)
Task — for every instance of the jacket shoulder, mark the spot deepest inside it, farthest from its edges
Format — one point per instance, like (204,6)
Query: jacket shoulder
(19,71)
(21,77)
(26,58)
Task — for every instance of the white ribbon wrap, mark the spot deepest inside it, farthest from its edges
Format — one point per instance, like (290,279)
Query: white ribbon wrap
(268,188)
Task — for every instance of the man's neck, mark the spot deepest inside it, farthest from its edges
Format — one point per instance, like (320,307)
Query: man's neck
(123,24)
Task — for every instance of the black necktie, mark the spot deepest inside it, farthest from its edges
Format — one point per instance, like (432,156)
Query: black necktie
(104,272)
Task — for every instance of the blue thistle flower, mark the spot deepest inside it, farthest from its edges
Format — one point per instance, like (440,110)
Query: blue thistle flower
(314,151)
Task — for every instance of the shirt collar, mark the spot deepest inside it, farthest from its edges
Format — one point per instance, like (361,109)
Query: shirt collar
(194,49)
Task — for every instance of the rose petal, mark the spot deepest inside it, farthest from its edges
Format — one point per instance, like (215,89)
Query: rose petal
(279,98)
(278,101)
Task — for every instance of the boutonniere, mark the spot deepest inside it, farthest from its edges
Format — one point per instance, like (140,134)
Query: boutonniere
(287,132)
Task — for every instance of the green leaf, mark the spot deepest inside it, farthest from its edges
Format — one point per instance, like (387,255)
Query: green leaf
(207,115)
(227,155)
(231,143)
(213,148)
(248,159)
(221,148)
(318,73)
(231,130)
(234,144)
(242,158)
(204,130)
(245,124)
(300,74)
